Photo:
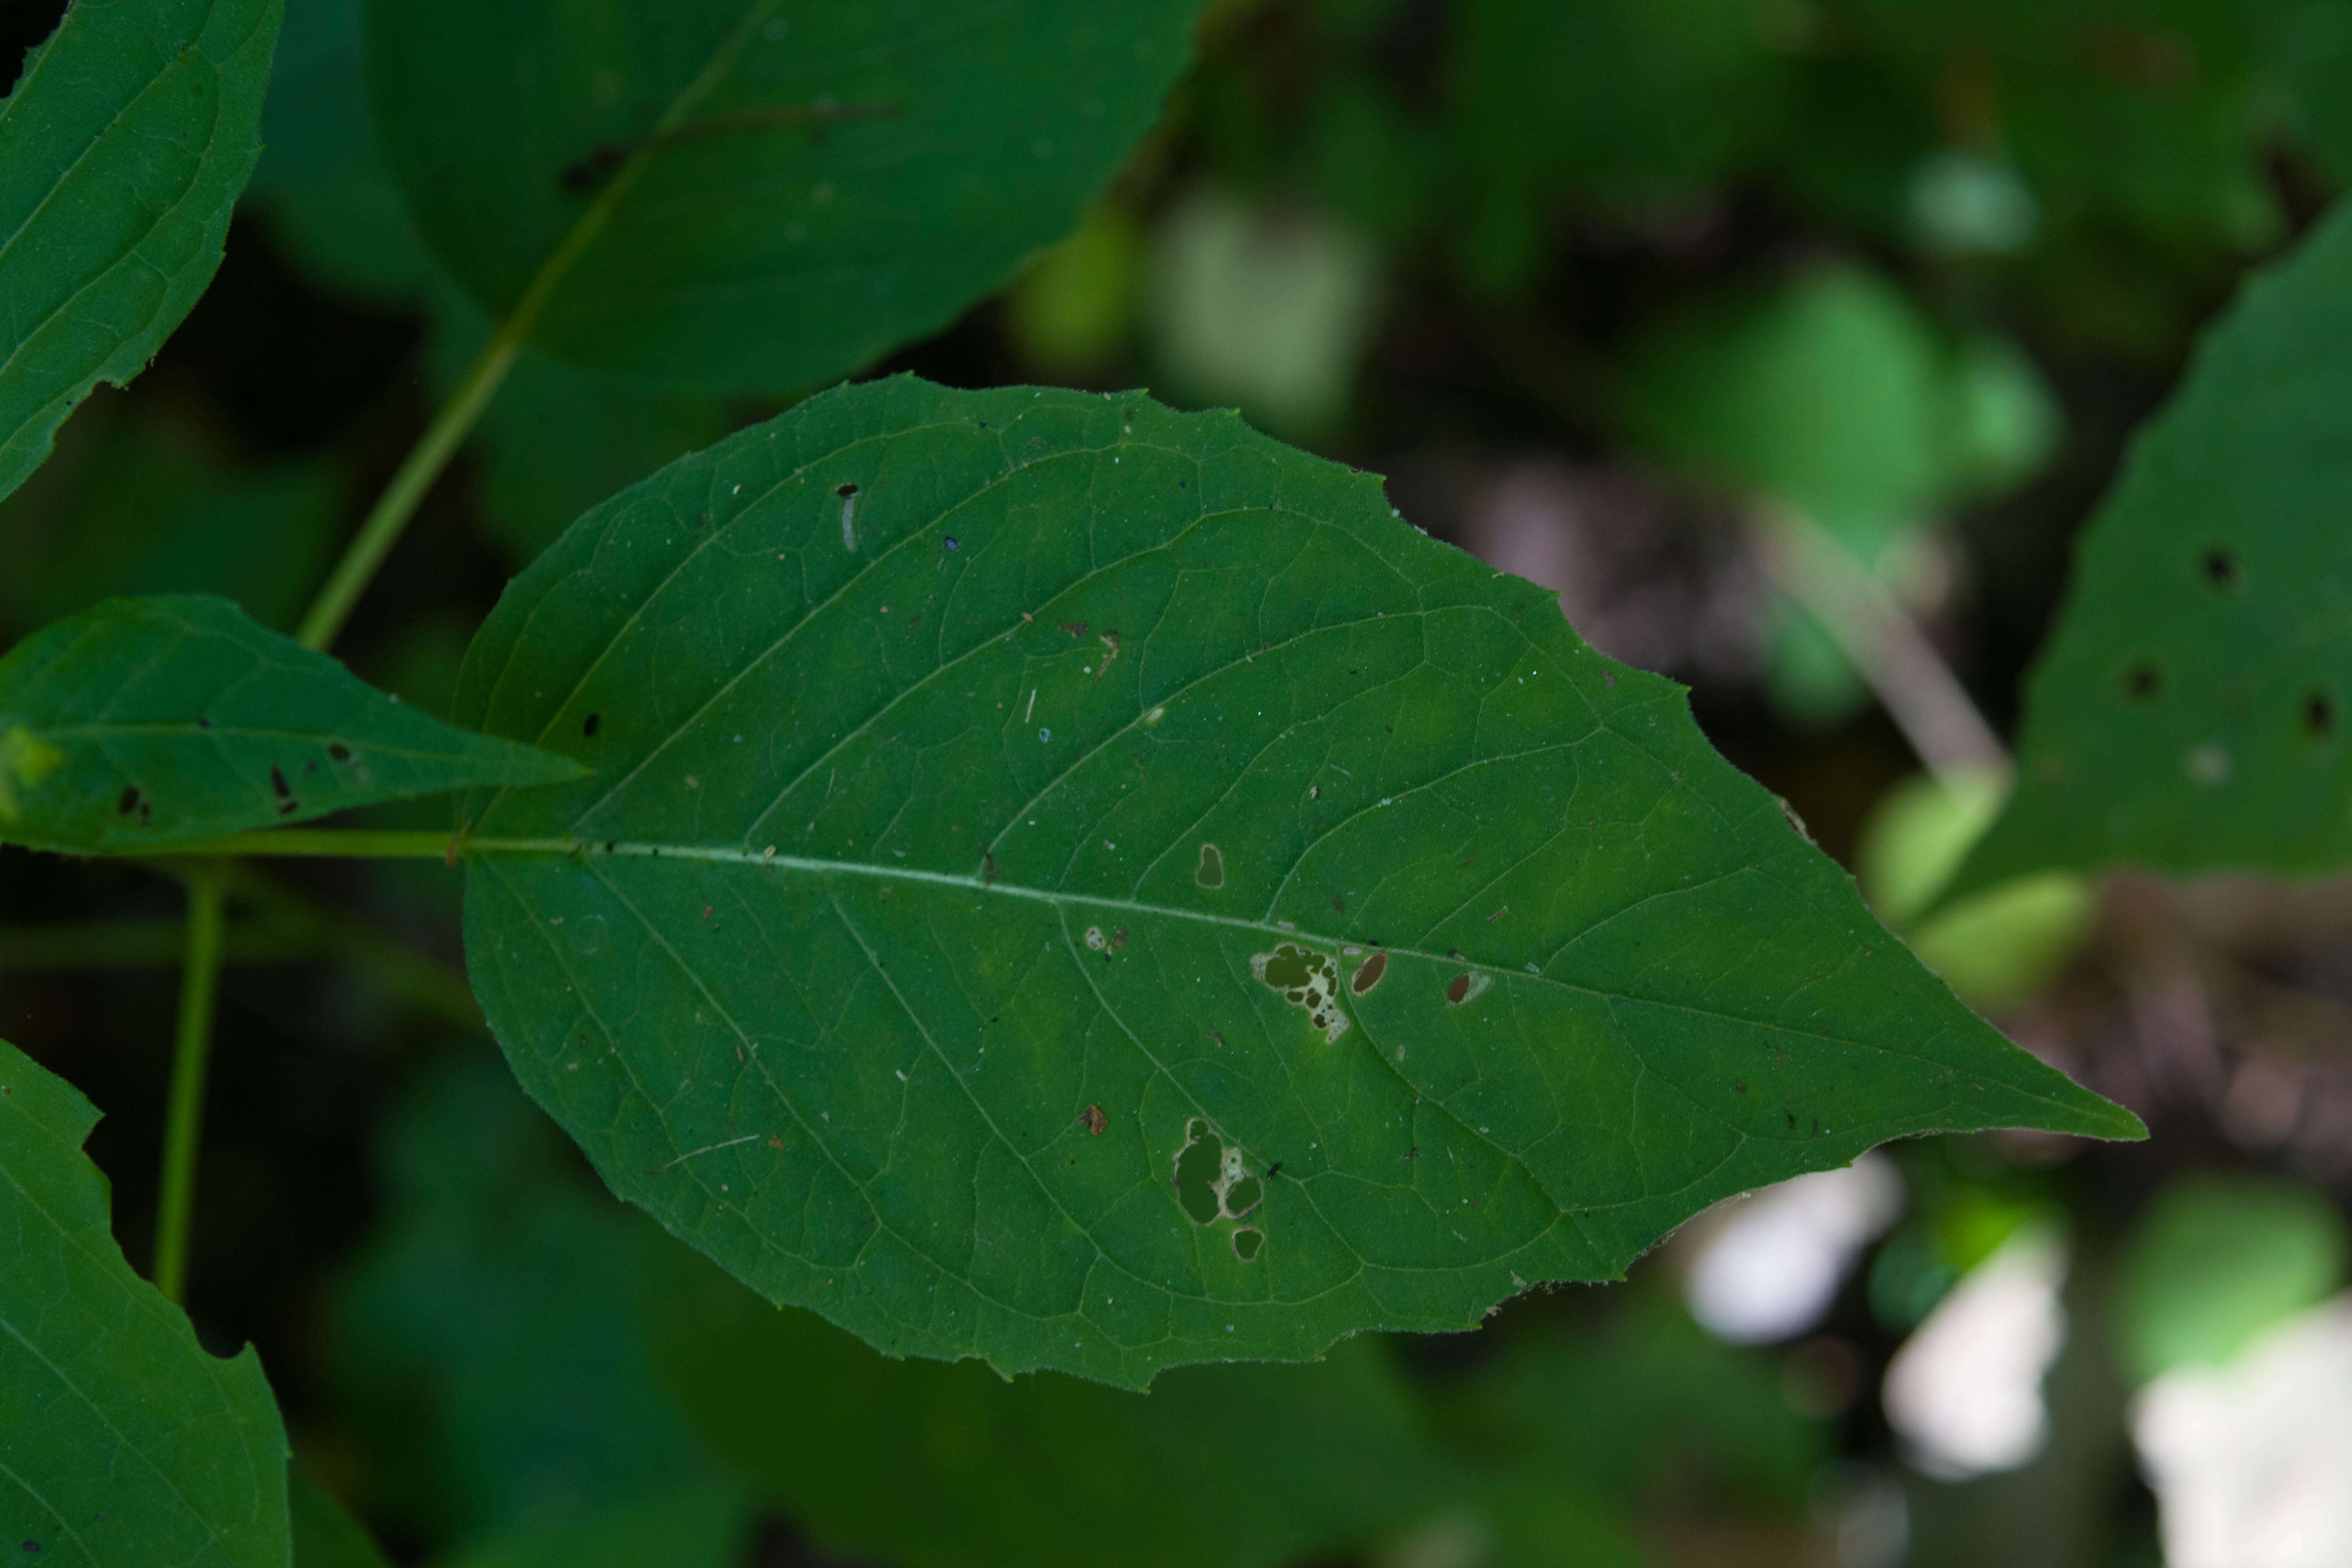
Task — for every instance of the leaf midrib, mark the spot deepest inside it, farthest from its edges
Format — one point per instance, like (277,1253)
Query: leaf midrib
(553,849)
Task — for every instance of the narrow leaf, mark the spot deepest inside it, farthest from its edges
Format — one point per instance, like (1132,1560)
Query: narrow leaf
(142,723)
(2193,708)
(814,183)
(1089,887)
(122,1443)
(122,149)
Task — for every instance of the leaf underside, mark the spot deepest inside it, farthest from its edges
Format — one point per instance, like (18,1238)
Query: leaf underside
(124,1443)
(122,149)
(2189,713)
(854,176)
(1025,820)
(143,723)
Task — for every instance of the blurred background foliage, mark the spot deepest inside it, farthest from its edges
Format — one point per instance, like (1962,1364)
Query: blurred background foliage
(1603,287)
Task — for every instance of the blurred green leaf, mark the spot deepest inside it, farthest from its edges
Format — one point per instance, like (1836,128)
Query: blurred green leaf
(1830,394)
(325,1534)
(818,185)
(135,507)
(2188,712)
(122,1444)
(555,440)
(934,1466)
(698,1526)
(1054,879)
(1073,311)
(2145,112)
(1376,166)
(143,723)
(2215,1261)
(1269,309)
(1617,103)
(122,148)
(2309,49)
(1996,949)
(322,186)
(484,1341)
(1649,1402)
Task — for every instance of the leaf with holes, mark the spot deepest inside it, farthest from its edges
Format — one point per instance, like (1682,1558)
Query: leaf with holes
(144,723)
(741,194)
(122,149)
(1089,887)
(123,1443)
(2189,713)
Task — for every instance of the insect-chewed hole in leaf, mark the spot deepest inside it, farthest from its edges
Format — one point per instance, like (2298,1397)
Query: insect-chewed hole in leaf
(1464,988)
(1242,1195)
(589,725)
(128,802)
(1367,974)
(1096,939)
(1247,1243)
(1210,873)
(1200,1166)
(2318,713)
(338,752)
(2223,569)
(2142,681)
(1306,979)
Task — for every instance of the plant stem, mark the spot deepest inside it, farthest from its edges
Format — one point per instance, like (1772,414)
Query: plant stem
(401,497)
(335,843)
(184,1120)
(1918,689)
(442,439)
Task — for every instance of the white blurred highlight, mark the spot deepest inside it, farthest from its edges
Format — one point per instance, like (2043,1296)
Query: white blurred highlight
(1775,1261)
(1965,1391)
(2252,1463)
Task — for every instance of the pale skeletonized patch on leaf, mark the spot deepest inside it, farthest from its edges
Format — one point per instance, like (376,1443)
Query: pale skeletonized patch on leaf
(883,959)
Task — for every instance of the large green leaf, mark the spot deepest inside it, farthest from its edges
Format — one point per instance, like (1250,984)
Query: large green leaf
(122,149)
(142,723)
(2190,711)
(121,1442)
(819,183)
(972,768)
(557,439)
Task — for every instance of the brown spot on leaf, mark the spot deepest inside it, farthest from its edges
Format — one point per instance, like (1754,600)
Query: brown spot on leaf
(1094,1120)
(1368,974)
